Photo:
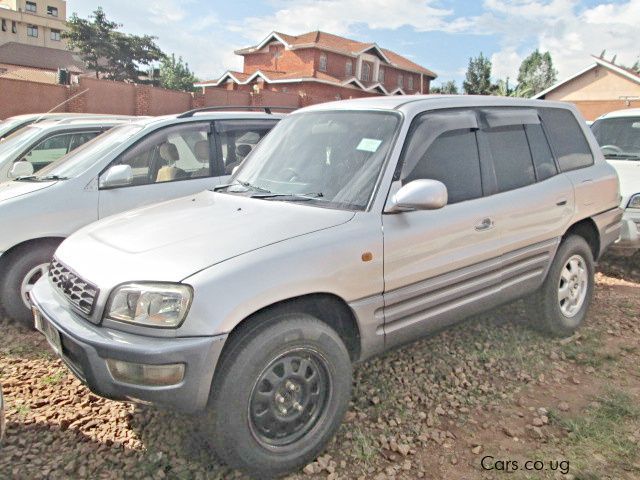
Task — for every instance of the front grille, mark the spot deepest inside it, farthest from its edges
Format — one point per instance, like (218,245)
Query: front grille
(80,293)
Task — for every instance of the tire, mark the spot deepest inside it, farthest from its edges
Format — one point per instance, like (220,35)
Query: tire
(550,309)
(242,396)
(31,261)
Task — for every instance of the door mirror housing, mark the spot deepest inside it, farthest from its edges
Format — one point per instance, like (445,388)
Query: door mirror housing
(419,195)
(21,168)
(117,176)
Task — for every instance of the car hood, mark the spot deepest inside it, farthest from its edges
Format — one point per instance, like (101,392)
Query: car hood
(629,175)
(12,189)
(172,240)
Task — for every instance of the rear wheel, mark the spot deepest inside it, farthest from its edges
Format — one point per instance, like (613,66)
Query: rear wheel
(560,306)
(25,267)
(279,396)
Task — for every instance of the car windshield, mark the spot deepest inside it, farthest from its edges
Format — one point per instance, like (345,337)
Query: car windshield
(330,159)
(18,140)
(618,137)
(85,156)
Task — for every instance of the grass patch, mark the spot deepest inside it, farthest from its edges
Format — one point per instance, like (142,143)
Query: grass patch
(605,428)
(22,410)
(364,447)
(54,379)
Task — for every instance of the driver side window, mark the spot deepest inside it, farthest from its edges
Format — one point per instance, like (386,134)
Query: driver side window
(181,152)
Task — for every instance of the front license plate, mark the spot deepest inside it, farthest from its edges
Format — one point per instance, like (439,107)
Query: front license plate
(49,331)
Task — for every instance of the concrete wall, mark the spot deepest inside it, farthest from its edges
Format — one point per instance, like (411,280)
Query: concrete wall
(593,109)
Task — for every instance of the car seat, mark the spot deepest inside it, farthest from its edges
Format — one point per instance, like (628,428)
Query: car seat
(169,156)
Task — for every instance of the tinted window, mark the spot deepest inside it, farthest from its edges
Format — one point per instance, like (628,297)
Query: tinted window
(542,156)
(238,139)
(511,157)
(452,159)
(566,138)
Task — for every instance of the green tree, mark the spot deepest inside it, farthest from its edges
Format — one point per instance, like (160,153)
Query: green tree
(175,74)
(478,77)
(536,72)
(110,53)
(447,88)
(503,89)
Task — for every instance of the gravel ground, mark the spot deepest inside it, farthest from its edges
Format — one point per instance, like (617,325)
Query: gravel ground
(432,409)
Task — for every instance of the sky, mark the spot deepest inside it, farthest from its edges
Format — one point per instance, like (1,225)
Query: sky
(439,34)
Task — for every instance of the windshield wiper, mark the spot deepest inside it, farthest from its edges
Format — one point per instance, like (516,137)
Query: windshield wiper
(292,196)
(247,185)
(52,177)
(27,178)
(622,155)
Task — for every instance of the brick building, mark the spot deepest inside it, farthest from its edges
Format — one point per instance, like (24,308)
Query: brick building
(600,88)
(319,66)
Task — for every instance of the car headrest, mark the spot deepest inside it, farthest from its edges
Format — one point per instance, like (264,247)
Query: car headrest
(243,150)
(169,152)
(201,150)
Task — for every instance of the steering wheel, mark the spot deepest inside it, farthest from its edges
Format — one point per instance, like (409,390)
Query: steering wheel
(611,149)
(294,174)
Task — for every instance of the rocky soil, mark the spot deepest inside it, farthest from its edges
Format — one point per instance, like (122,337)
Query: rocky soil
(483,393)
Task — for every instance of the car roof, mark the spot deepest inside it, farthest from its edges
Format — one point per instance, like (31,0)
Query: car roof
(215,115)
(50,116)
(628,112)
(427,102)
(66,124)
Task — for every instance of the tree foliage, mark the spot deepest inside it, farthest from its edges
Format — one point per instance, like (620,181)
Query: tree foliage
(478,77)
(175,74)
(536,73)
(448,88)
(108,52)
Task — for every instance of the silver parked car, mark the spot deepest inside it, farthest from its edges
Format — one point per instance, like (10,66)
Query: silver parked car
(353,227)
(618,134)
(39,144)
(142,162)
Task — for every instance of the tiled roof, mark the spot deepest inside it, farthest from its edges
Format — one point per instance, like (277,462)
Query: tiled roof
(324,40)
(13,53)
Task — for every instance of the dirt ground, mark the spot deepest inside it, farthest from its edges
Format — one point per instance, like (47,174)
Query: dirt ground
(490,398)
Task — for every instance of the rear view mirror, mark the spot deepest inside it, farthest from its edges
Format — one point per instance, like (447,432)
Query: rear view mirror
(117,176)
(419,195)
(21,168)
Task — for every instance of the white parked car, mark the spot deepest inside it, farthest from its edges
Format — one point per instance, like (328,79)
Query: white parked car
(618,134)
(143,162)
(37,145)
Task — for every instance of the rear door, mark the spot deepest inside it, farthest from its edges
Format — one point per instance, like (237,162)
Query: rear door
(56,146)
(534,203)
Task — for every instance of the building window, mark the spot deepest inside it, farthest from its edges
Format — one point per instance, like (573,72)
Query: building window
(53,11)
(14,27)
(348,68)
(323,62)
(400,80)
(381,75)
(32,31)
(4,25)
(55,35)
(410,82)
(30,7)
(366,72)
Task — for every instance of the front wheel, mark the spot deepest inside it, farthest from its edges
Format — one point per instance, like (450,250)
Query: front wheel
(279,396)
(26,266)
(560,306)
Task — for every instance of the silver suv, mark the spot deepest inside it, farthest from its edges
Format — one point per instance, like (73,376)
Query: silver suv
(353,227)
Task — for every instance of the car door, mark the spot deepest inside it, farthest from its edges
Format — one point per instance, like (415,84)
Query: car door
(56,146)
(534,205)
(440,265)
(167,163)
(237,139)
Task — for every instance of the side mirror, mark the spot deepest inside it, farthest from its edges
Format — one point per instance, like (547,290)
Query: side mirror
(21,168)
(419,195)
(117,176)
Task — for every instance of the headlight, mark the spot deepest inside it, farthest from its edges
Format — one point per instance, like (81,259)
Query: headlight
(635,201)
(162,305)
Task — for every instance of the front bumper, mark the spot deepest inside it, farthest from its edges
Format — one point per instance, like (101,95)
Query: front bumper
(86,347)
(630,234)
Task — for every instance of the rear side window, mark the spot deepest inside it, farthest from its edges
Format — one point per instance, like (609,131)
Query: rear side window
(566,138)
(541,153)
(452,159)
(511,157)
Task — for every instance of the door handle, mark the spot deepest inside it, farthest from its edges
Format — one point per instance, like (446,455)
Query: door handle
(485,224)
(561,202)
